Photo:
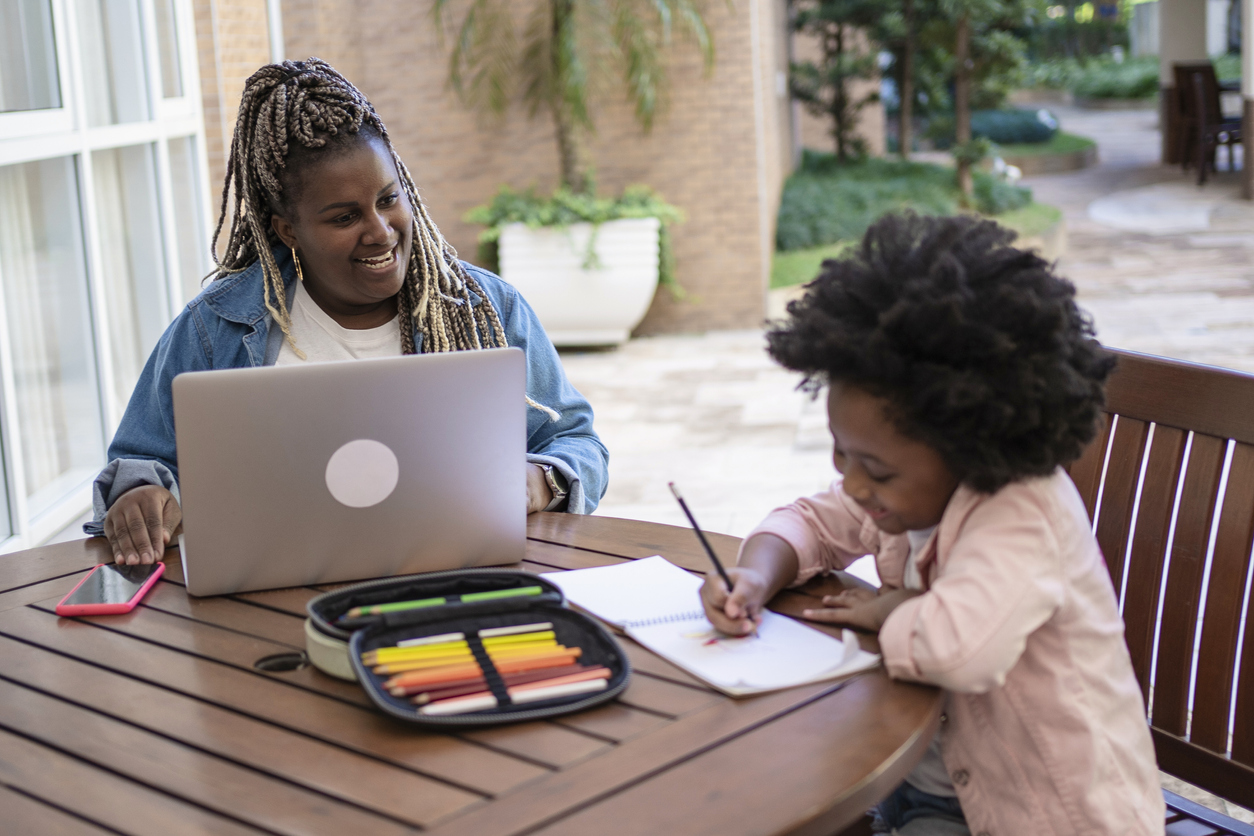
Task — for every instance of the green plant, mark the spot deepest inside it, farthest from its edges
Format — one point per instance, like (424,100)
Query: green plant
(565,207)
(823,86)
(1052,74)
(1135,78)
(568,50)
(1059,143)
(1014,125)
(825,201)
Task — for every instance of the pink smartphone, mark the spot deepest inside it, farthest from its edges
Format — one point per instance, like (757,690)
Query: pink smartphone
(110,589)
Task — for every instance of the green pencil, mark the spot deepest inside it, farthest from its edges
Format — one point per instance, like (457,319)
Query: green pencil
(399,606)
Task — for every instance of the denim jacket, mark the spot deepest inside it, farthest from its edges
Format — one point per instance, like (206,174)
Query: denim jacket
(227,326)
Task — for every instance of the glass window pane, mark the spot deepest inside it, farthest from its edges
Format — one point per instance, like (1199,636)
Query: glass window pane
(168,47)
(189,223)
(45,294)
(132,263)
(113,61)
(28,56)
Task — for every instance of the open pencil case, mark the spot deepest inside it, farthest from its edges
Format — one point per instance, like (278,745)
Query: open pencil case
(335,644)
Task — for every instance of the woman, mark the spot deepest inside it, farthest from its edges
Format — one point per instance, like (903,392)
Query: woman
(331,256)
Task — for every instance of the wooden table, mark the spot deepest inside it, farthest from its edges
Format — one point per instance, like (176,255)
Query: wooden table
(156,722)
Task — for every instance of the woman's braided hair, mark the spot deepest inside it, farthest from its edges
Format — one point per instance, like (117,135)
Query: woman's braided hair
(298,105)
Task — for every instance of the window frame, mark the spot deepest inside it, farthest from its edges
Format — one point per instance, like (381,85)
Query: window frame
(30,136)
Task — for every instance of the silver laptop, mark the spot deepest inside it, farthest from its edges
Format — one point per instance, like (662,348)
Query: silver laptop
(310,474)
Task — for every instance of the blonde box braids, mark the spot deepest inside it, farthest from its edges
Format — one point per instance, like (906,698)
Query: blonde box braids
(305,103)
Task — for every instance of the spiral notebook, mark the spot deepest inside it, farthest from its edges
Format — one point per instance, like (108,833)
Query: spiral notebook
(658,604)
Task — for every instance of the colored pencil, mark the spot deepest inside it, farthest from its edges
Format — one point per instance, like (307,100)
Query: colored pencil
(701,536)
(484,700)
(443,638)
(520,628)
(461,705)
(584,676)
(503,593)
(570,688)
(425,694)
(453,673)
(401,606)
(409,650)
(498,659)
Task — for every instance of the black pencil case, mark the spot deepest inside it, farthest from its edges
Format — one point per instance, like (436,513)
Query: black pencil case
(336,646)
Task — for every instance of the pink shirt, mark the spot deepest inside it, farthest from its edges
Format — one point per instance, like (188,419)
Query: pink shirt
(1045,730)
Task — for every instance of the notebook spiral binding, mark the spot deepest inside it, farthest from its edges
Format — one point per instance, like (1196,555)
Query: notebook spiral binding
(691,615)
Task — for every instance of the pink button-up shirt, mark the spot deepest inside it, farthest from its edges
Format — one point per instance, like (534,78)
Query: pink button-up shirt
(1045,730)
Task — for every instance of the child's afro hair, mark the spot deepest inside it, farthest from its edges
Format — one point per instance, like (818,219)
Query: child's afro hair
(978,347)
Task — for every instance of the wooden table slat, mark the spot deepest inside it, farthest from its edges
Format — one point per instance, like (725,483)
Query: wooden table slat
(756,765)
(25,816)
(629,538)
(363,730)
(277,627)
(114,801)
(222,645)
(320,766)
(626,763)
(212,782)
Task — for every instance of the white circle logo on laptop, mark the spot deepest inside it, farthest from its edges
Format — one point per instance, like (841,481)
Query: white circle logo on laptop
(362,473)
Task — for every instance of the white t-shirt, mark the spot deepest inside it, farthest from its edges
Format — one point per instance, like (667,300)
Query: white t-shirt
(930,775)
(325,341)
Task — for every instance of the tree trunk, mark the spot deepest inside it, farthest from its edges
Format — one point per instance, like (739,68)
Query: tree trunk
(571,147)
(572,155)
(905,131)
(962,97)
(836,54)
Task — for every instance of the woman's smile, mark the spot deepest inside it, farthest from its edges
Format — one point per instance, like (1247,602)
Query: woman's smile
(352,229)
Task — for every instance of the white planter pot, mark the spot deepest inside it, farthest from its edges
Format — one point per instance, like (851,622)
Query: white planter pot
(597,305)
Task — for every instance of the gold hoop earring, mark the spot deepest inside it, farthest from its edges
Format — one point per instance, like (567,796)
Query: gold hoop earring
(296,260)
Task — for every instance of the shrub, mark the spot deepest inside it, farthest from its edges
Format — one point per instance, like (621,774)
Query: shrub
(1135,78)
(825,201)
(1007,127)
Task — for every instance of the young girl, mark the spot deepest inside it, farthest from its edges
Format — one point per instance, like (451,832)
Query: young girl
(960,376)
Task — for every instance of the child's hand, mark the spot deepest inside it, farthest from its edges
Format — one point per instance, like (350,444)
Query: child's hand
(739,613)
(860,607)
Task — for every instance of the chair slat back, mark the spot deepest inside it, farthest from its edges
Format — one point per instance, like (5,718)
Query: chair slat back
(1170,484)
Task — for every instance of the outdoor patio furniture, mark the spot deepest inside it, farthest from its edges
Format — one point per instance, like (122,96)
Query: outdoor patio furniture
(1202,127)
(1177,447)
(158,722)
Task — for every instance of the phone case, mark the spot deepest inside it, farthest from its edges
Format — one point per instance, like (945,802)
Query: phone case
(336,647)
(107,609)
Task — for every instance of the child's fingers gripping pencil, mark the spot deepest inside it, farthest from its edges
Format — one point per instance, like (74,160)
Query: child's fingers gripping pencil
(718,564)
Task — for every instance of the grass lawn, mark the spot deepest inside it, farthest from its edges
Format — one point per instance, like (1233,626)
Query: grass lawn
(800,266)
(1060,143)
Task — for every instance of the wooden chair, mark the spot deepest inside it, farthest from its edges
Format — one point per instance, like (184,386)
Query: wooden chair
(1202,126)
(1169,483)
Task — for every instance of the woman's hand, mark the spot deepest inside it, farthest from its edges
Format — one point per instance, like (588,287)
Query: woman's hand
(860,607)
(142,523)
(739,613)
(538,494)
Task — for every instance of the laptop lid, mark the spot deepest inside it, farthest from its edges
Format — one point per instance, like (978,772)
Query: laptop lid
(326,472)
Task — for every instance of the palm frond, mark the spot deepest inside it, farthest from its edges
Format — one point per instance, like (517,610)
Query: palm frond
(482,65)
(640,53)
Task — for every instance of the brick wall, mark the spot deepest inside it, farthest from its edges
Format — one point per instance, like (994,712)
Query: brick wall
(702,155)
(232,41)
